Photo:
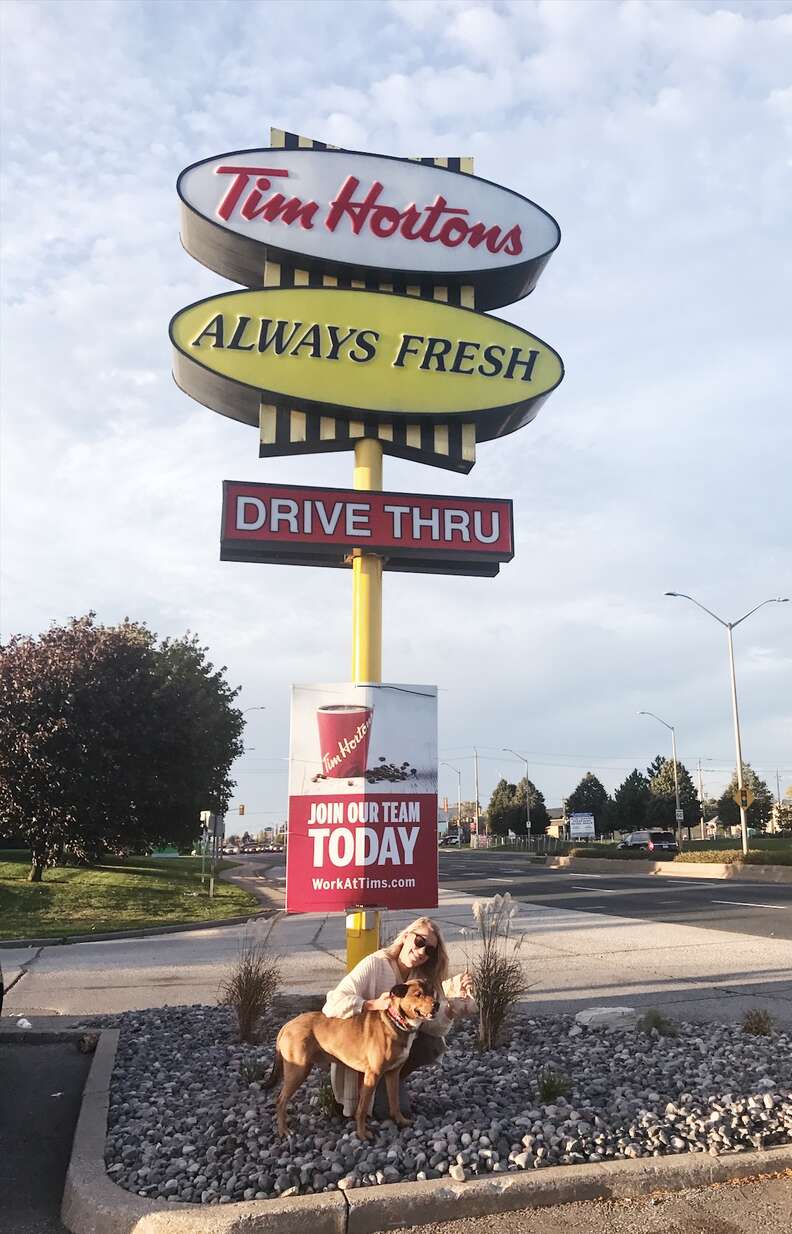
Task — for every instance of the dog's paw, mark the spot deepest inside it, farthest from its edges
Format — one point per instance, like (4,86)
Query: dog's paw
(401,1121)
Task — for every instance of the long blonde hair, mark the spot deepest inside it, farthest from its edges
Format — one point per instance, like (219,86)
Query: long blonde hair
(435,970)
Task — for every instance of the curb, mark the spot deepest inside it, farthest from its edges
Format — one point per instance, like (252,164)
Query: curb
(728,872)
(92,1204)
(144,932)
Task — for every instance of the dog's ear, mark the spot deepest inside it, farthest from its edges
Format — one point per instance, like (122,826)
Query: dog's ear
(400,990)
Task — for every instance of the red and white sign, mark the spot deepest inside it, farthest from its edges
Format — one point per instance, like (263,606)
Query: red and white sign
(339,209)
(318,526)
(362,827)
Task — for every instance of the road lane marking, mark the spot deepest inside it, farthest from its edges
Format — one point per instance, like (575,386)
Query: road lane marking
(601,891)
(748,904)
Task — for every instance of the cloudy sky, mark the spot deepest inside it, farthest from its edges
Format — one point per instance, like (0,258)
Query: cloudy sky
(658,134)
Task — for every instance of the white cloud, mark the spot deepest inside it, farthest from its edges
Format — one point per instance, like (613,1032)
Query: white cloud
(656,133)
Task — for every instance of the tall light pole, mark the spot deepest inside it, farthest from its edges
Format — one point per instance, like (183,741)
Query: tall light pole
(729,626)
(678,810)
(459,794)
(523,759)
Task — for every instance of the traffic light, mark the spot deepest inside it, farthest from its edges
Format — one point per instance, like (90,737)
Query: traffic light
(241,811)
(744,798)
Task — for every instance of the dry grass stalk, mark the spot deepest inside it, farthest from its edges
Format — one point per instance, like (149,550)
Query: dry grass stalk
(498,977)
(253,981)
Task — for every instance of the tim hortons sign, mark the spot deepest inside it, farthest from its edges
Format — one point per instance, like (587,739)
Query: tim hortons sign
(296,525)
(362,355)
(362,216)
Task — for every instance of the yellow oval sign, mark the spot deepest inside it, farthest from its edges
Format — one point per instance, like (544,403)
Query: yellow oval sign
(361,354)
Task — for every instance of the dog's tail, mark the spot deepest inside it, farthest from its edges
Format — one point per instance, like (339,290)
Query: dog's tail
(276,1074)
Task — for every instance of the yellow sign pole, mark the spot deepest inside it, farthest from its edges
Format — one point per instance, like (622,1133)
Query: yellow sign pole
(363,928)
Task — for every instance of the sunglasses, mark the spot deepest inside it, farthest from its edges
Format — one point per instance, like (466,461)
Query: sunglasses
(421,944)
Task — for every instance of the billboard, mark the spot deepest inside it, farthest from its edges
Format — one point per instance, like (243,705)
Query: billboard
(292,524)
(349,214)
(361,354)
(581,826)
(362,829)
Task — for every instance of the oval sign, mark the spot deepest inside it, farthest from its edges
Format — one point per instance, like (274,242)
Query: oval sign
(355,215)
(360,354)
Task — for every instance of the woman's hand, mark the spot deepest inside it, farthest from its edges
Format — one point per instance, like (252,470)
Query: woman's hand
(466,985)
(378,1004)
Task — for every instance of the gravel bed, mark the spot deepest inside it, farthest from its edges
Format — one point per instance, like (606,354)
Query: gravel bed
(188,1121)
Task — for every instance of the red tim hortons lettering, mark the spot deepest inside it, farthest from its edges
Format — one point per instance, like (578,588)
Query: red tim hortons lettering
(239,184)
(288,209)
(435,223)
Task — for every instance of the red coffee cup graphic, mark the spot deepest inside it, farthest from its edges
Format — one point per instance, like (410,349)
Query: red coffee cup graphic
(344,731)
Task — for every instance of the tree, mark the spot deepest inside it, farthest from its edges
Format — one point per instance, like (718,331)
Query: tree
(630,801)
(759,812)
(657,764)
(591,797)
(504,812)
(110,741)
(784,815)
(661,807)
(540,819)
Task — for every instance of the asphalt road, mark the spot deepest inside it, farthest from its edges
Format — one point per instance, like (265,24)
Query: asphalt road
(40,1091)
(761,910)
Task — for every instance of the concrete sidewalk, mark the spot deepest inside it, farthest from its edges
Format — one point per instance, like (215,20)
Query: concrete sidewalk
(724,1208)
(573,959)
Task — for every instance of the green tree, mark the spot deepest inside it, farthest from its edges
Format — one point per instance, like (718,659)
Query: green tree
(110,741)
(540,819)
(657,764)
(591,797)
(630,801)
(759,812)
(661,807)
(504,812)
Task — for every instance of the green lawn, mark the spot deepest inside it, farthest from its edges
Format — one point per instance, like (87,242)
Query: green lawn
(120,894)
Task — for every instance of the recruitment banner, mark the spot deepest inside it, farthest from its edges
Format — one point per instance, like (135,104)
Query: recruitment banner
(362,827)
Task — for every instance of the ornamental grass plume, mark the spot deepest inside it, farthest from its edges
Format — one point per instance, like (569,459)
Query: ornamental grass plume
(498,977)
(253,981)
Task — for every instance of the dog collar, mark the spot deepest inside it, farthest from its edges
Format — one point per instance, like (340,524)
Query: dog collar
(404,1025)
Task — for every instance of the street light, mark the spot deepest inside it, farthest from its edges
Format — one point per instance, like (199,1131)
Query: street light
(678,811)
(247,709)
(523,759)
(459,795)
(730,625)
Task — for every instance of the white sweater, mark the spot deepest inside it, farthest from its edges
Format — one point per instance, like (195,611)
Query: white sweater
(374,975)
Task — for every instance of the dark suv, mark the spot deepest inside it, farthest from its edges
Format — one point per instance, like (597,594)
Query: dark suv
(659,842)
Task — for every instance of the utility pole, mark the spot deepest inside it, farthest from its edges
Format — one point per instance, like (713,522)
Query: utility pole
(701,799)
(476,789)
(729,626)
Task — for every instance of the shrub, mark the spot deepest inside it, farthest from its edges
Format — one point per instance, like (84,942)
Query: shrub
(653,1019)
(253,1070)
(726,855)
(553,1084)
(253,982)
(498,977)
(758,1023)
(324,1099)
(611,851)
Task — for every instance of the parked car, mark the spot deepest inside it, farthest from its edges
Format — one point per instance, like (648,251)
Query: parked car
(652,842)
(450,840)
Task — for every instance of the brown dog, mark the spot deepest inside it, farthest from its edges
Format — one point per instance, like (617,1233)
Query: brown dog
(375,1043)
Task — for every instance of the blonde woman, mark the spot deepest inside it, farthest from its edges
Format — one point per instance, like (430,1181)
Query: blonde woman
(418,951)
